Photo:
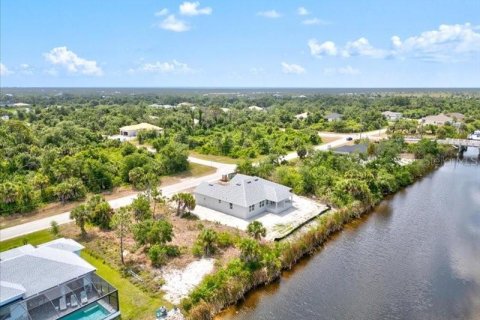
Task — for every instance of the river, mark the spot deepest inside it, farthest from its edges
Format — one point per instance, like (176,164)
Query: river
(416,256)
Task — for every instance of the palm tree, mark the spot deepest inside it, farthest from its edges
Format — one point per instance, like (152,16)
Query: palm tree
(184,201)
(157,198)
(121,222)
(81,215)
(256,230)
(207,239)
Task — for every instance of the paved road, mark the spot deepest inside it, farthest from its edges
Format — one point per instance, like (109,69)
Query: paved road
(168,191)
(342,139)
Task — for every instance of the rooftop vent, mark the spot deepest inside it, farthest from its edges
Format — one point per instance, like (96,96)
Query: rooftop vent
(238,184)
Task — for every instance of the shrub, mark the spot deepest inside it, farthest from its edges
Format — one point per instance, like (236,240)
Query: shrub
(158,255)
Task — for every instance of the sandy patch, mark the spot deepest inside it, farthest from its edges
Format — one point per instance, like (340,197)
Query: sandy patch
(179,283)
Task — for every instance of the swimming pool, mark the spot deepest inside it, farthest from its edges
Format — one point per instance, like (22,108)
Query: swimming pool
(92,312)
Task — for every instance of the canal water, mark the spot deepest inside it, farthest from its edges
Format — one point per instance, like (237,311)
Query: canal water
(417,256)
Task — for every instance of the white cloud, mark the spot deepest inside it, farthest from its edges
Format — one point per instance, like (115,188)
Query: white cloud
(4,70)
(322,49)
(272,14)
(314,21)
(162,12)
(173,24)
(301,11)
(449,43)
(72,62)
(192,9)
(347,70)
(361,47)
(292,68)
(164,67)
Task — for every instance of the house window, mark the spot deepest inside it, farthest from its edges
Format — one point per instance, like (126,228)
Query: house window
(231,205)
(219,201)
(262,204)
(251,208)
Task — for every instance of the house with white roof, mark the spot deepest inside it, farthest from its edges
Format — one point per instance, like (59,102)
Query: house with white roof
(392,116)
(333,116)
(132,131)
(244,196)
(52,281)
(255,108)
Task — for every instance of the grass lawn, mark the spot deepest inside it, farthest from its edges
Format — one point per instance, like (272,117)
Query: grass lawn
(134,303)
(34,238)
(210,157)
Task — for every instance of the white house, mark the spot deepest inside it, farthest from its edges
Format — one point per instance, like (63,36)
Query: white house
(52,281)
(333,117)
(244,196)
(392,116)
(255,108)
(132,131)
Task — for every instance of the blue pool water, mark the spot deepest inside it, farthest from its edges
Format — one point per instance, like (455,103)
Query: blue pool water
(92,312)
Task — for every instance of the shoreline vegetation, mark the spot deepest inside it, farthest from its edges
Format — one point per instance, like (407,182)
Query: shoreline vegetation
(231,283)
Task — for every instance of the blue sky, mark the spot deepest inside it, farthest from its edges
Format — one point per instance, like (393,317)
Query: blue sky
(328,43)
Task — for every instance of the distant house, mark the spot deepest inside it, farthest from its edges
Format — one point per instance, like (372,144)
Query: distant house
(302,116)
(392,116)
(21,104)
(52,281)
(225,110)
(132,131)
(244,196)
(333,117)
(161,106)
(438,120)
(185,104)
(255,108)
(360,148)
(5,118)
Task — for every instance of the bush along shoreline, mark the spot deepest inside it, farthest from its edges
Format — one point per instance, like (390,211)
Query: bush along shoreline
(262,263)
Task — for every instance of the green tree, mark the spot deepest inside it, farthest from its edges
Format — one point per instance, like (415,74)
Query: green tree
(71,189)
(121,222)
(250,251)
(81,216)
(207,240)
(100,212)
(301,151)
(141,208)
(256,230)
(184,201)
(150,232)
(54,229)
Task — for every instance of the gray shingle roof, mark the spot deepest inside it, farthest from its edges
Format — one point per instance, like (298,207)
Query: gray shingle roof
(37,270)
(245,190)
(356,148)
(64,244)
